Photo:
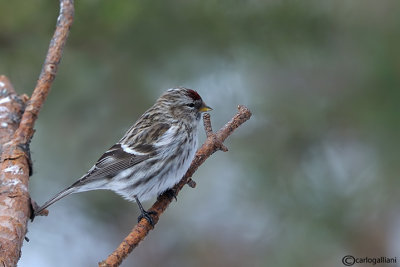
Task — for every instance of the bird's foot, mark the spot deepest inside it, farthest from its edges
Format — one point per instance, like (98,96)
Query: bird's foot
(171,193)
(147,215)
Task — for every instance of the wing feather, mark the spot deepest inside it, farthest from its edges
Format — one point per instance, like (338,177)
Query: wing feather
(123,156)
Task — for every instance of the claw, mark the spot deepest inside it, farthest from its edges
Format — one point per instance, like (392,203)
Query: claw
(171,193)
(145,214)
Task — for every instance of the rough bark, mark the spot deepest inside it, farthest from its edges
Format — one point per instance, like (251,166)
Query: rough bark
(15,135)
(14,195)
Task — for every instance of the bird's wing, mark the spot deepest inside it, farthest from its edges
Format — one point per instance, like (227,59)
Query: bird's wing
(123,156)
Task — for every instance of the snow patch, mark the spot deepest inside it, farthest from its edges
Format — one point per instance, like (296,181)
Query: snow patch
(5,100)
(16,182)
(14,170)
(3,112)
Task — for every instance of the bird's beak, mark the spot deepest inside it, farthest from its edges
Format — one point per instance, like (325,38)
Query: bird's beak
(204,108)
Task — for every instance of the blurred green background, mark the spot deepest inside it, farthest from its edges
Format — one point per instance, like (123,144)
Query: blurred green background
(312,177)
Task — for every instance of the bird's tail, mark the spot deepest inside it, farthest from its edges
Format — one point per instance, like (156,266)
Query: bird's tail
(57,197)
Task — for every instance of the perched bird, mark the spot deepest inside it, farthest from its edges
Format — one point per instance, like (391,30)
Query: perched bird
(152,156)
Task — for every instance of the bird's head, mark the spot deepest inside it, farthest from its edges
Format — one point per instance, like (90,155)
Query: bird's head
(183,103)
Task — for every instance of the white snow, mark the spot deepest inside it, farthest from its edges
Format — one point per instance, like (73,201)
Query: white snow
(14,170)
(5,100)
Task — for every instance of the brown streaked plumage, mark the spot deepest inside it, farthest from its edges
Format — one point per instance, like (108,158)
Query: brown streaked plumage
(152,156)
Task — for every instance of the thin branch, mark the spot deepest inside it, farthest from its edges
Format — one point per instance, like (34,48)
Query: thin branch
(207,125)
(213,143)
(49,70)
(15,166)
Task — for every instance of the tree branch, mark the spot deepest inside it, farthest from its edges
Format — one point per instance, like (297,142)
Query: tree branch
(15,136)
(213,143)
(64,21)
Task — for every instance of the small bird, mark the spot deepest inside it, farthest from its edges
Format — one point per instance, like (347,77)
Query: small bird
(152,156)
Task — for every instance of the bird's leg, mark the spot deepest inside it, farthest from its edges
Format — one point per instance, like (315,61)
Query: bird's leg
(145,214)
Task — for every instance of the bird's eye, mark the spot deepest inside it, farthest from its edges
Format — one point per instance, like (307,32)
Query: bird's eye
(190,105)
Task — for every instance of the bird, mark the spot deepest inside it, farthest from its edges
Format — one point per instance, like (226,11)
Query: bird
(152,156)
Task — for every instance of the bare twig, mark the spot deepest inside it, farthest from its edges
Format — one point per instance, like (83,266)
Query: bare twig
(48,73)
(207,125)
(213,143)
(16,167)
